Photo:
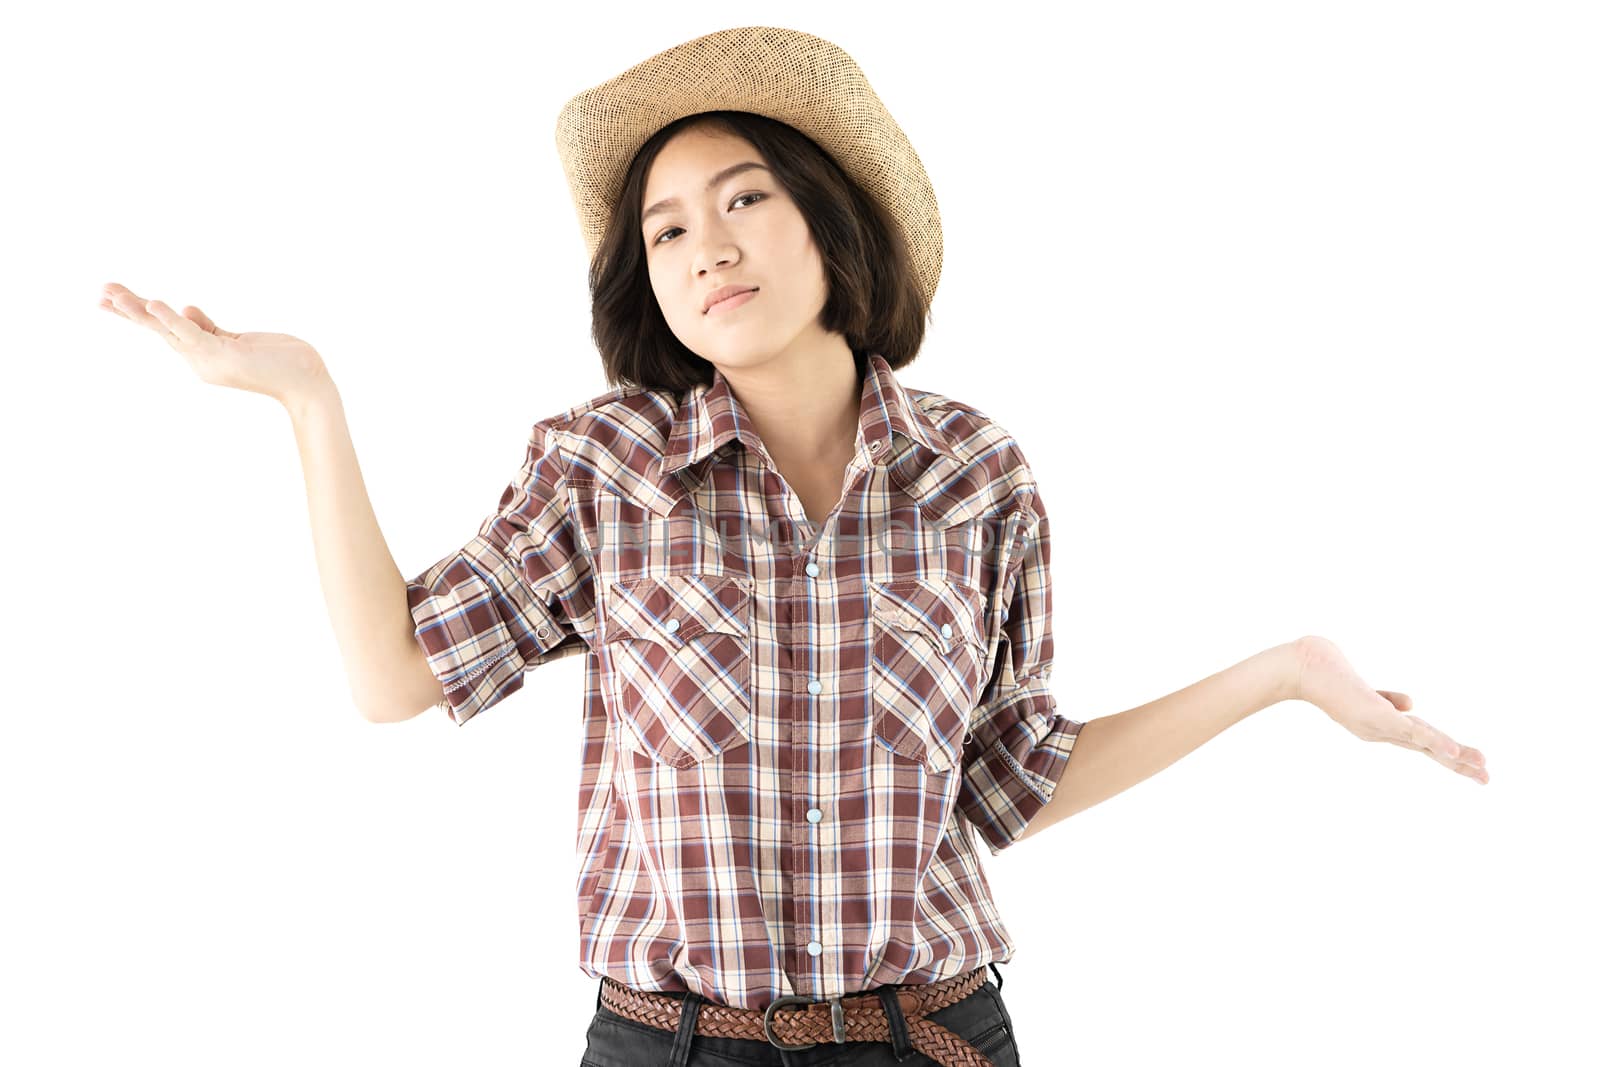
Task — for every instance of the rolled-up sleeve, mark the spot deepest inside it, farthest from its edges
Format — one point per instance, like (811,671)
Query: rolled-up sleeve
(1019,744)
(511,598)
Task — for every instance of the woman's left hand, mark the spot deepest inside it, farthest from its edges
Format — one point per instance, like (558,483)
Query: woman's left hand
(1327,680)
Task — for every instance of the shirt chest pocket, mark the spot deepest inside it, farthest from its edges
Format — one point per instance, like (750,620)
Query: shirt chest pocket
(676,664)
(928,667)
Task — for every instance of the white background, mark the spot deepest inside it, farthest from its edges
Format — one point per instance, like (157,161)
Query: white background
(1291,306)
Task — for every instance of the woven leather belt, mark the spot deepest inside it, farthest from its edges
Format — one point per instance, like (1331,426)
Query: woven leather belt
(800,1022)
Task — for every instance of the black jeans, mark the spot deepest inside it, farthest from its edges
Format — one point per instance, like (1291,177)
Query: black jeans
(980,1018)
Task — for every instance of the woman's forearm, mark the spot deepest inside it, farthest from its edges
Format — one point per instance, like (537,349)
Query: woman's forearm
(364,588)
(1114,752)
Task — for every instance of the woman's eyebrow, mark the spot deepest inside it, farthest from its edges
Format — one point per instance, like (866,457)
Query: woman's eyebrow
(716,179)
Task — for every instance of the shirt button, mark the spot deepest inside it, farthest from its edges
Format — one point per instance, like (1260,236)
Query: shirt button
(672,626)
(814,815)
(873,447)
(945,629)
(813,570)
(814,687)
(815,948)
(544,631)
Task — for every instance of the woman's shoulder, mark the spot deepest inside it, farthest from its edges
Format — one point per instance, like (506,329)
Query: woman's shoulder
(626,401)
(986,472)
(972,432)
(609,434)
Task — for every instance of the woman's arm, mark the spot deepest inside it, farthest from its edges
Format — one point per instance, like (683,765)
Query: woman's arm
(388,672)
(1116,751)
(386,668)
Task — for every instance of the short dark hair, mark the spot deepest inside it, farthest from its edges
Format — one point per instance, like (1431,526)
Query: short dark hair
(874,297)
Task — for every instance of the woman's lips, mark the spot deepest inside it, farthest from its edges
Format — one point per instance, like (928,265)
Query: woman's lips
(732,302)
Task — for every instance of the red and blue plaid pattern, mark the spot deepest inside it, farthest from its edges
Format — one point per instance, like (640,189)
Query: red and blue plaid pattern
(795,735)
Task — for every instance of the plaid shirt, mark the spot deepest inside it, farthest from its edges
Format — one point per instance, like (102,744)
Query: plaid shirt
(790,734)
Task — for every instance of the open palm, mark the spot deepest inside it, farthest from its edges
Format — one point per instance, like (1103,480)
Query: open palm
(1327,680)
(274,364)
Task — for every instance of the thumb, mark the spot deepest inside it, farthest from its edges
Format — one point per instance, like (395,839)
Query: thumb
(201,319)
(1401,701)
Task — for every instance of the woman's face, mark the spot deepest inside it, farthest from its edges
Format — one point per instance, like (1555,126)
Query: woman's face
(742,230)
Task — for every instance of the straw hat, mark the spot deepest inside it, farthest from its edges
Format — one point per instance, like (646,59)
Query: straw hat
(793,77)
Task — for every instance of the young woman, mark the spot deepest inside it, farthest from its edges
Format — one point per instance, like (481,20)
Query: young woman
(815,603)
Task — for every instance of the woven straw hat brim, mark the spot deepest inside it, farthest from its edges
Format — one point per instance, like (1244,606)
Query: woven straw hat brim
(787,75)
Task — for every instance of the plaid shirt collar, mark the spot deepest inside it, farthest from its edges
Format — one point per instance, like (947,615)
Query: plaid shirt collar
(710,416)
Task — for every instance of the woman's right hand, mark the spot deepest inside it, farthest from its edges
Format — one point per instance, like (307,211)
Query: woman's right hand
(273,364)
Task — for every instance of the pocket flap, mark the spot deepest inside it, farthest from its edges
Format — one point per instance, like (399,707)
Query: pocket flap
(674,608)
(946,613)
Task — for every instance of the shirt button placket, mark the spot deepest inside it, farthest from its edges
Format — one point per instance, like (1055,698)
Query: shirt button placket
(813,815)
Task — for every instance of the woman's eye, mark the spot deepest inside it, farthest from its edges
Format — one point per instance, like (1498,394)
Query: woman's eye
(735,200)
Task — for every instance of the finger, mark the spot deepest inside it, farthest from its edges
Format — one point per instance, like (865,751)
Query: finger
(184,330)
(1416,734)
(122,301)
(1425,737)
(194,314)
(134,310)
(1432,739)
(1472,765)
(1401,701)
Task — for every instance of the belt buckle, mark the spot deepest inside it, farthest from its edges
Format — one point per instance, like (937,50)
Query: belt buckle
(837,1012)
